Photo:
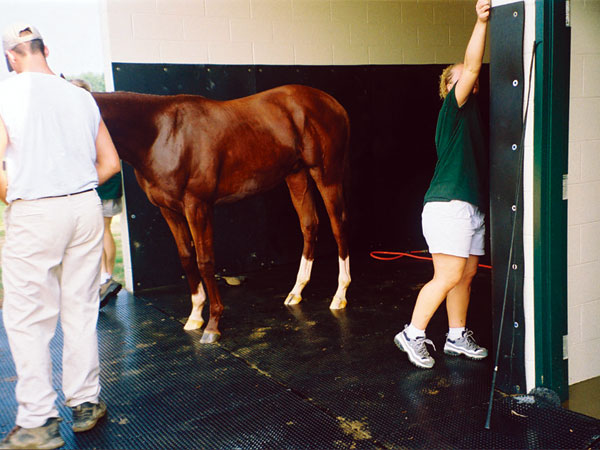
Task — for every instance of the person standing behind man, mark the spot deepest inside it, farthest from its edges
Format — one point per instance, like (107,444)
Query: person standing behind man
(110,193)
(453,224)
(56,150)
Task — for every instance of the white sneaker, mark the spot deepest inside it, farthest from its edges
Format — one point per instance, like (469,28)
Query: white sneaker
(415,349)
(465,345)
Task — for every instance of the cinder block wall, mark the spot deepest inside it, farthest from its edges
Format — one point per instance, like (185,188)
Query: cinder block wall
(584,192)
(303,32)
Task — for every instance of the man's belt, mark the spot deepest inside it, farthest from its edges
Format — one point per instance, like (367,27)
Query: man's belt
(67,195)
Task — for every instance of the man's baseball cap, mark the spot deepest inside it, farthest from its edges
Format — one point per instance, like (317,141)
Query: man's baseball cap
(12,35)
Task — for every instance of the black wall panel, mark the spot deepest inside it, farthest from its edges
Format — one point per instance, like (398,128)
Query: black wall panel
(506,187)
(393,112)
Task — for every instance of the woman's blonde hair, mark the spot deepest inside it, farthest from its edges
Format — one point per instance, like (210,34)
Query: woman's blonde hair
(445,78)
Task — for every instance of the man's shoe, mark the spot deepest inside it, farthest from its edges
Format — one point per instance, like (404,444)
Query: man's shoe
(465,345)
(86,415)
(108,290)
(415,349)
(45,437)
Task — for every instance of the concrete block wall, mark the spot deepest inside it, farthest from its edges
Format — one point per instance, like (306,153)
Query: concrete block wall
(302,32)
(584,193)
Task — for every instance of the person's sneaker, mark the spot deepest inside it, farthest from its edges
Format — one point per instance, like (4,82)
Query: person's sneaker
(45,437)
(86,415)
(108,290)
(415,349)
(465,345)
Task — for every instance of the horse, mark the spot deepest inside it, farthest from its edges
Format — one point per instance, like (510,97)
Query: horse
(189,153)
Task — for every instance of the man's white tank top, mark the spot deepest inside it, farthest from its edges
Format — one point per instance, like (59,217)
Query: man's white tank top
(52,127)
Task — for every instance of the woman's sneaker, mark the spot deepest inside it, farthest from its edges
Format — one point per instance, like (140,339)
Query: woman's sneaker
(47,436)
(415,349)
(465,345)
(86,415)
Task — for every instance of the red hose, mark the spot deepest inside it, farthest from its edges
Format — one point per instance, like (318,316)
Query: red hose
(390,256)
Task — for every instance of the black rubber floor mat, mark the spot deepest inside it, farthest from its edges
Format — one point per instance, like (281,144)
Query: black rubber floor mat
(298,377)
(163,390)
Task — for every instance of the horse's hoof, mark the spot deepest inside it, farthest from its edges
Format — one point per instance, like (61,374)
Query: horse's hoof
(193,324)
(209,337)
(338,303)
(293,299)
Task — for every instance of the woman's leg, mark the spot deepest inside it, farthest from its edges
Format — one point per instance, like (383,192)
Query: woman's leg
(448,272)
(460,341)
(109,249)
(457,300)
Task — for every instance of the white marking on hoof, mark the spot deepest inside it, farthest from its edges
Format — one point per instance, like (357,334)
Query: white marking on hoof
(195,321)
(292,299)
(192,324)
(295,295)
(339,299)
(338,303)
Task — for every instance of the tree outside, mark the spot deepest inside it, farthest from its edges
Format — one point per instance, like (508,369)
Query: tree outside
(96,80)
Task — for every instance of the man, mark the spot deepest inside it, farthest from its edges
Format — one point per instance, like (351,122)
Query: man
(110,193)
(56,149)
(453,223)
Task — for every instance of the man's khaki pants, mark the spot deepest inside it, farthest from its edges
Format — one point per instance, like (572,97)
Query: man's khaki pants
(51,266)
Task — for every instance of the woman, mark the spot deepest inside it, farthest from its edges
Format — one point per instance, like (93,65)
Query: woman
(453,225)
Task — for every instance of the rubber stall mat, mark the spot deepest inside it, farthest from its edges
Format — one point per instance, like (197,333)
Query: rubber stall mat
(163,390)
(299,377)
(345,362)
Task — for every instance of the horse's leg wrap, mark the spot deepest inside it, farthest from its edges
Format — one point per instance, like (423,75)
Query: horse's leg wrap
(195,320)
(295,295)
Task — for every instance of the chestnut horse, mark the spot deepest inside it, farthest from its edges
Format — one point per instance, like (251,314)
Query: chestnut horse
(189,153)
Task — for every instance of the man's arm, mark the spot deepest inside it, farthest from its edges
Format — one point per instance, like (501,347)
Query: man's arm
(3,145)
(107,159)
(473,54)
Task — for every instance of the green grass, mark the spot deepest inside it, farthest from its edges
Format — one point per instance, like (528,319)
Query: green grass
(118,274)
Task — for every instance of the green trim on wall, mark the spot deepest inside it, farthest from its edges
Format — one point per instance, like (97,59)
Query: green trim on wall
(550,209)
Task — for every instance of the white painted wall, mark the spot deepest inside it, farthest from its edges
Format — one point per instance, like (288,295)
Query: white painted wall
(302,32)
(584,193)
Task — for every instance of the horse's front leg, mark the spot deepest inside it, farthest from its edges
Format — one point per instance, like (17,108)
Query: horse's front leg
(199,217)
(185,247)
(339,299)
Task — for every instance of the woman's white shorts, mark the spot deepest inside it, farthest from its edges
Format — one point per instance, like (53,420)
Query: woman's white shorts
(454,228)
(111,207)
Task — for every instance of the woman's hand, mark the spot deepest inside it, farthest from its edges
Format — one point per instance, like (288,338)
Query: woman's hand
(483,10)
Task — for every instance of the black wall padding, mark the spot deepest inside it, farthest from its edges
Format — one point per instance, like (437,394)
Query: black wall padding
(393,112)
(506,189)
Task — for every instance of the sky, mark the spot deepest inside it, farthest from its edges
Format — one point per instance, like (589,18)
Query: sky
(70,28)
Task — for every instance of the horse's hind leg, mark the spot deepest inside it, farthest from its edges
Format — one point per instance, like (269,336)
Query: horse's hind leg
(333,198)
(303,199)
(183,238)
